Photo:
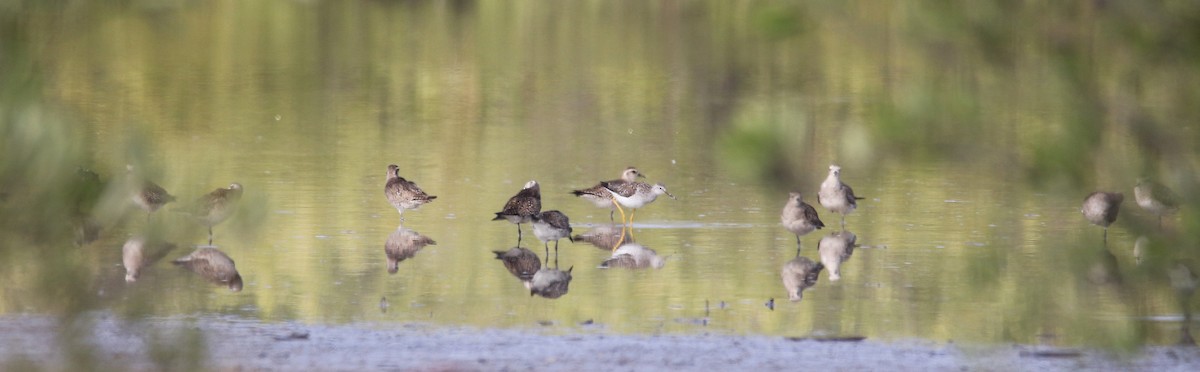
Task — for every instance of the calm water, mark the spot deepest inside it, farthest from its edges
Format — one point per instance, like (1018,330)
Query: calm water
(306,103)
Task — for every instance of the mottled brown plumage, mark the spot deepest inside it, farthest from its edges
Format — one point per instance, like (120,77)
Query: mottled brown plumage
(520,262)
(402,193)
(403,244)
(521,207)
(600,197)
(147,195)
(213,265)
(799,217)
(216,206)
(1101,208)
(634,256)
(604,237)
(551,225)
(550,283)
(634,195)
(798,275)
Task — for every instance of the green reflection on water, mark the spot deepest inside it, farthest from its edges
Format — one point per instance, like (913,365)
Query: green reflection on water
(973,139)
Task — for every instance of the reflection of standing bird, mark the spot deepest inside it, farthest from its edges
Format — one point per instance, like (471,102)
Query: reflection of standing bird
(137,254)
(799,217)
(1155,198)
(836,196)
(835,249)
(605,237)
(213,265)
(634,195)
(521,207)
(799,274)
(1101,208)
(551,225)
(634,256)
(217,206)
(403,244)
(599,196)
(550,283)
(520,262)
(145,194)
(402,193)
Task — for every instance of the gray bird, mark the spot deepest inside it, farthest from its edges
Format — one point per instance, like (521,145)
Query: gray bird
(601,198)
(147,195)
(402,193)
(836,196)
(403,244)
(551,225)
(798,275)
(212,265)
(1155,198)
(1101,208)
(521,207)
(550,283)
(216,206)
(799,217)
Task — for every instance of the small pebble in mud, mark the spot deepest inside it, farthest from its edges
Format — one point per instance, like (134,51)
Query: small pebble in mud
(295,335)
(586,322)
(545,323)
(770,304)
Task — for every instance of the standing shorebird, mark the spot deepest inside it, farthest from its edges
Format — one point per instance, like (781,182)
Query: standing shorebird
(836,196)
(402,193)
(217,206)
(599,196)
(799,217)
(145,194)
(1100,208)
(522,206)
(634,195)
(1155,198)
(213,265)
(551,225)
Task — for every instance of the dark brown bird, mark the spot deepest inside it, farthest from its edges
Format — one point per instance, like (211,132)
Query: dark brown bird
(402,193)
(521,207)
(145,194)
(520,262)
(216,206)
(551,225)
(403,244)
(799,274)
(1101,208)
(214,266)
(799,217)
(601,198)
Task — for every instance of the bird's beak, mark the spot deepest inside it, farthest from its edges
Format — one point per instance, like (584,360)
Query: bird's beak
(672,196)
(641,175)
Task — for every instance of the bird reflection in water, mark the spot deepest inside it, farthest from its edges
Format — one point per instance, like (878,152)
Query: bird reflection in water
(521,263)
(214,266)
(835,249)
(604,237)
(1183,280)
(140,252)
(798,275)
(632,255)
(403,244)
(550,283)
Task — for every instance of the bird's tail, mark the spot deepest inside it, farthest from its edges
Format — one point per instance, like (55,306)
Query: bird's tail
(499,216)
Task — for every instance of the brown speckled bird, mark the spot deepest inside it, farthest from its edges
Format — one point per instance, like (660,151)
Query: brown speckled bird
(403,244)
(521,207)
(799,217)
(520,262)
(147,195)
(601,198)
(799,274)
(402,193)
(212,265)
(216,206)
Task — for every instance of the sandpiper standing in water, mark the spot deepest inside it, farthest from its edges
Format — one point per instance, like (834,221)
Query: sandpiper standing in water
(799,217)
(551,225)
(1101,208)
(600,197)
(836,196)
(145,194)
(522,206)
(634,195)
(1155,198)
(217,206)
(402,193)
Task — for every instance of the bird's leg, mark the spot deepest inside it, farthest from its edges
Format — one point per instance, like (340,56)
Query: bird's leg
(843,222)
(555,254)
(1160,222)
(631,218)
(401,214)
(610,216)
(547,246)
(797,241)
(518,235)
(620,240)
(797,250)
(619,209)
(1105,236)
(210,235)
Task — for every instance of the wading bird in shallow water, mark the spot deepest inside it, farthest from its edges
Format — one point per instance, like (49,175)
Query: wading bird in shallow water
(551,225)
(145,194)
(521,207)
(1100,208)
(799,217)
(1155,198)
(212,265)
(634,195)
(601,198)
(216,206)
(402,193)
(836,196)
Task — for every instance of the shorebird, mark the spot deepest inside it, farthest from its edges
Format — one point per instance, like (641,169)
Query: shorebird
(799,274)
(836,196)
(601,198)
(213,265)
(216,206)
(402,193)
(634,256)
(522,206)
(145,194)
(520,262)
(550,283)
(551,225)
(634,195)
(403,244)
(799,217)
(1100,208)
(835,249)
(1155,198)
(135,256)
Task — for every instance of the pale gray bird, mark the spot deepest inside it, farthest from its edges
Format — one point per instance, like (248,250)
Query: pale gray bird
(402,193)
(835,249)
(551,225)
(836,196)
(521,207)
(799,217)
(798,275)
(634,256)
(213,265)
(550,283)
(403,244)
(1155,198)
(1101,208)
(601,198)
